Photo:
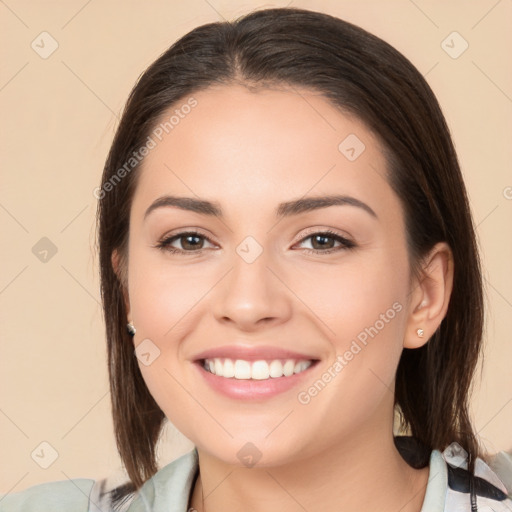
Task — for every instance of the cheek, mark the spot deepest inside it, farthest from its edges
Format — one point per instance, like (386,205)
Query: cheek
(163,305)
(163,293)
(365,329)
(360,293)
(362,308)
(166,301)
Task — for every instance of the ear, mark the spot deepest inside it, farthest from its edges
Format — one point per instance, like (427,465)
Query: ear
(119,266)
(430,296)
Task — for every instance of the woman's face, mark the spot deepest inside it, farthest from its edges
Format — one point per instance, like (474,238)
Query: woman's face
(261,284)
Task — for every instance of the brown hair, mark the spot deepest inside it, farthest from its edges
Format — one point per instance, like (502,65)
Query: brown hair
(362,75)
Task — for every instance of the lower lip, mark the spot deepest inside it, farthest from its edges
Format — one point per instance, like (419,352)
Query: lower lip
(251,389)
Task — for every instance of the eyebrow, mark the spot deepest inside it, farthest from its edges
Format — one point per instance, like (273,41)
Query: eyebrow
(286,209)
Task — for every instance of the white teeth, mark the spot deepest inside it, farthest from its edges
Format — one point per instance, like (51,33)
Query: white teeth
(300,366)
(228,369)
(260,370)
(288,368)
(257,370)
(276,369)
(242,369)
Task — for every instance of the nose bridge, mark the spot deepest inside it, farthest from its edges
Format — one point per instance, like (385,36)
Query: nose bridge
(251,292)
(250,266)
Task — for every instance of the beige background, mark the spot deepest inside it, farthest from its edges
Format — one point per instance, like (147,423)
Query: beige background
(59,116)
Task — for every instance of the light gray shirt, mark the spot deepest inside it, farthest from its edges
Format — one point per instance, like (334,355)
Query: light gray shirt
(170,488)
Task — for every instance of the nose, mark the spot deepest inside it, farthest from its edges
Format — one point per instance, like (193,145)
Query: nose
(252,295)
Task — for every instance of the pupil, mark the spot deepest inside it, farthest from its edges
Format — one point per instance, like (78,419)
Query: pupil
(323,238)
(191,237)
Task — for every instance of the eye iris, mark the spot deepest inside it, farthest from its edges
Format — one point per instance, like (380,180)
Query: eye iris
(323,238)
(193,245)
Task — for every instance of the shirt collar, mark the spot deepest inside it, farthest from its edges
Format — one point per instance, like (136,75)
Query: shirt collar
(171,487)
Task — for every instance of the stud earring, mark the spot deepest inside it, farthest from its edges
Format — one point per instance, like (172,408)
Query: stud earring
(131,329)
(420,333)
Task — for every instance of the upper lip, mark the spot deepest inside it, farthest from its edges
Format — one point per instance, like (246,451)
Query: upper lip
(251,353)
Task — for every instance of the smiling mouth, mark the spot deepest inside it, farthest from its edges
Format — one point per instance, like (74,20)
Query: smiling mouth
(255,370)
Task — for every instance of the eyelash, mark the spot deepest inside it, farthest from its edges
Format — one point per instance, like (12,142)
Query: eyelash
(164,244)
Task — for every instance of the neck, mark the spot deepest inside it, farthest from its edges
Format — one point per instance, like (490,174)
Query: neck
(363,473)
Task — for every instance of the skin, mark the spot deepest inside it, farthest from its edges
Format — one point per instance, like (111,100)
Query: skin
(250,151)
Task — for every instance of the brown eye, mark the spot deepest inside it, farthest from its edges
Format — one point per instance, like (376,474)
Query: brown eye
(189,241)
(324,242)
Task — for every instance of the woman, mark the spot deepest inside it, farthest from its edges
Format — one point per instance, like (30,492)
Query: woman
(287,260)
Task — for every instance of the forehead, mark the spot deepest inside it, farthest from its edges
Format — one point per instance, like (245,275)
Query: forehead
(240,146)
